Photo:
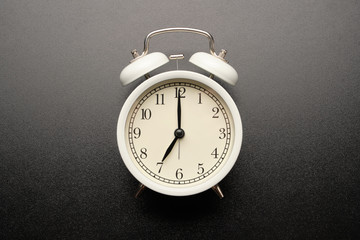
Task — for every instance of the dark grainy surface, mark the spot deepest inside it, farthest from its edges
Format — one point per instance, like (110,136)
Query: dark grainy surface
(297,177)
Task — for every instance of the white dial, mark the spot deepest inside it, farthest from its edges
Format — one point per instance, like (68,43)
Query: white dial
(179,133)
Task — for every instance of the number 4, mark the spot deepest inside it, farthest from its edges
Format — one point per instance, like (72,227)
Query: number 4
(215,153)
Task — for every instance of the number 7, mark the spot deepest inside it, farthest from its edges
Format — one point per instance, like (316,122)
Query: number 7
(161,165)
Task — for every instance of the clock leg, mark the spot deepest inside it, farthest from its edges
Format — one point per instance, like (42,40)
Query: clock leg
(218,191)
(141,188)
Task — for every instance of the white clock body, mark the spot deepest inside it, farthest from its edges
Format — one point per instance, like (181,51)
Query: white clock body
(212,133)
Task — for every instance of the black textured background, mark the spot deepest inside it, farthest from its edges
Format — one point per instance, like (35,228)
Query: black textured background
(297,177)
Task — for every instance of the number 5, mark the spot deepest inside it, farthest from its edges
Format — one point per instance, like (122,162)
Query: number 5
(200,168)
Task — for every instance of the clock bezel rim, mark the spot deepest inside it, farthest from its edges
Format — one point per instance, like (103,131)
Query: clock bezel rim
(208,183)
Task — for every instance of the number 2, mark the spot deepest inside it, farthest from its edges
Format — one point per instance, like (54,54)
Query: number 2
(216,112)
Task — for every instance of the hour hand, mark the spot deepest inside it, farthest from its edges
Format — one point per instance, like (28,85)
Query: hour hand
(168,150)
(179,133)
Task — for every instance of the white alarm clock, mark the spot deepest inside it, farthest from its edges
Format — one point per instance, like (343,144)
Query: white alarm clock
(179,132)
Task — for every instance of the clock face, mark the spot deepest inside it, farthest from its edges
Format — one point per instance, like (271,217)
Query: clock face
(179,133)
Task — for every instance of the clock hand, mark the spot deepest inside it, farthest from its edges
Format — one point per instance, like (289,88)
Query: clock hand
(179,133)
(179,111)
(168,150)
(179,119)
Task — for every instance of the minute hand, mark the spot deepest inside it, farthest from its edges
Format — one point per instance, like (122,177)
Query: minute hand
(179,111)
